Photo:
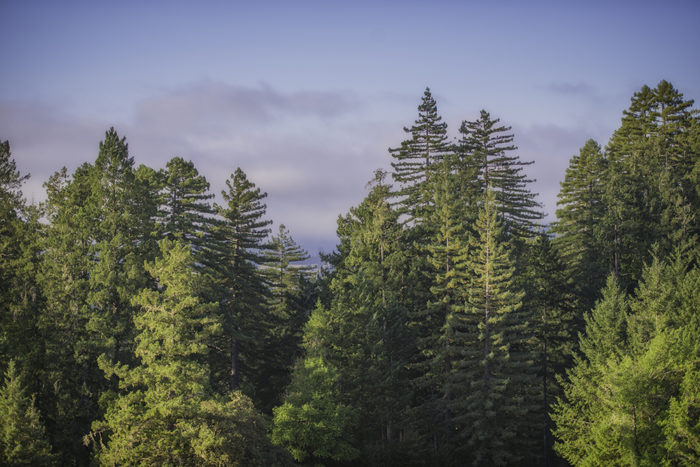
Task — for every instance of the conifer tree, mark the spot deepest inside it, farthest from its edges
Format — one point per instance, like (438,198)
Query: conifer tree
(486,148)
(185,212)
(492,388)
(69,371)
(312,423)
(415,158)
(244,294)
(287,310)
(22,435)
(167,413)
(603,341)
(648,195)
(447,254)
(367,340)
(581,211)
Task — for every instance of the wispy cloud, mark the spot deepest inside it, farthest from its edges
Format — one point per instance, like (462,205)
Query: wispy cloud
(297,146)
(579,88)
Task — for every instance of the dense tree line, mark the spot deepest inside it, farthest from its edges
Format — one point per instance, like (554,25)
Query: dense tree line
(142,323)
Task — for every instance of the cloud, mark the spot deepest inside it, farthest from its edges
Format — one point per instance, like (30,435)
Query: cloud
(313,152)
(571,88)
(551,147)
(43,139)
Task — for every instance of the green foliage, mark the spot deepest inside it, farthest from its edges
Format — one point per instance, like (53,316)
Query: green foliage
(22,437)
(415,158)
(626,399)
(486,147)
(312,424)
(239,281)
(167,412)
(289,306)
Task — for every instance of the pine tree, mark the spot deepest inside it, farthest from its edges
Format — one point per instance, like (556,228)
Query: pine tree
(312,423)
(485,149)
(367,340)
(415,158)
(185,211)
(554,320)
(22,436)
(287,311)
(69,370)
(447,254)
(492,388)
(648,195)
(167,412)
(242,234)
(603,341)
(579,240)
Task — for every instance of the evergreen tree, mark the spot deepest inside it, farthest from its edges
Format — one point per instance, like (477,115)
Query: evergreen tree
(367,340)
(241,281)
(287,311)
(312,423)
(69,370)
(447,255)
(579,240)
(648,195)
(485,149)
(554,320)
(415,158)
(185,212)
(603,341)
(492,388)
(22,436)
(167,413)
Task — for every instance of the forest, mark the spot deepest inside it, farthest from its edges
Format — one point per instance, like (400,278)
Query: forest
(143,323)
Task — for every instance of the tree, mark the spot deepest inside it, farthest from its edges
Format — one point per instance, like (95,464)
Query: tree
(580,213)
(167,412)
(185,212)
(414,159)
(492,388)
(485,149)
(549,297)
(649,194)
(603,340)
(241,281)
(311,423)
(287,311)
(22,436)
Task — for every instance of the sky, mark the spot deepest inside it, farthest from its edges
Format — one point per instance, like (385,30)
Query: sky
(307,96)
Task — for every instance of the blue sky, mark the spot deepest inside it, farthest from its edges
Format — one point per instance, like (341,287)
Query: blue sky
(307,96)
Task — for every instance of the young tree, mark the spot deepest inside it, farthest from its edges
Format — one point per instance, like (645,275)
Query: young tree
(22,436)
(603,342)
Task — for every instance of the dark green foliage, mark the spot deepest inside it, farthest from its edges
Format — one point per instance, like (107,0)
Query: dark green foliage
(579,222)
(167,413)
(288,309)
(241,284)
(185,212)
(22,437)
(485,149)
(492,389)
(415,158)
